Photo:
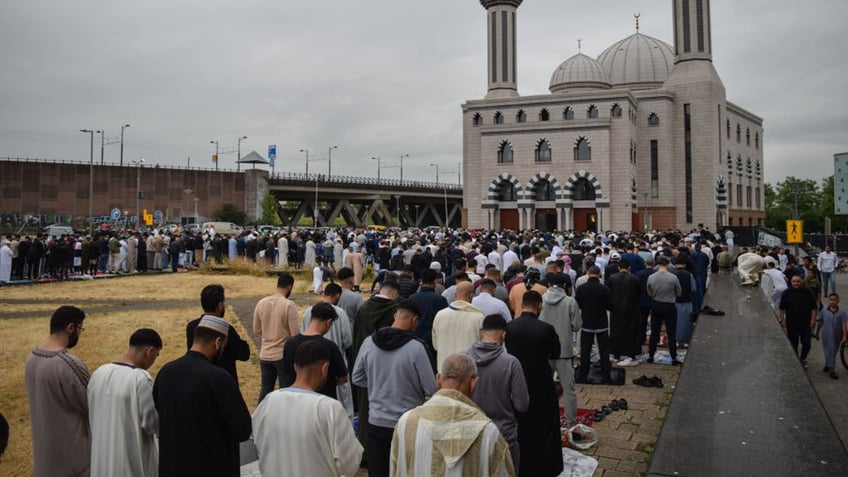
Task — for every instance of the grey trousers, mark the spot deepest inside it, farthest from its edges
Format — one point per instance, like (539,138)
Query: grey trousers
(564,368)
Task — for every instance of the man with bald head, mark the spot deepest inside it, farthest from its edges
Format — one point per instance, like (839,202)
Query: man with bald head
(449,434)
(457,327)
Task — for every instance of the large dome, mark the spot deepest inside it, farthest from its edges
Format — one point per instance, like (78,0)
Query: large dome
(638,61)
(579,72)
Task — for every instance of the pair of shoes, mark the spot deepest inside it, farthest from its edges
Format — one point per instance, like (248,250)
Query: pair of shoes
(641,380)
(833,375)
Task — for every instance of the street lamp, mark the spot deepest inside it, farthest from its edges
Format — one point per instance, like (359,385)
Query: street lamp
(90,175)
(139,164)
(379,165)
(238,153)
(437,171)
(102,143)
(401,167)
(307,160)
(122,142)
(215,142)
(330,162)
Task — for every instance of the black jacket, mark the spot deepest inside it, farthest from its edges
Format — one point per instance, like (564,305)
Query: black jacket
(593,298)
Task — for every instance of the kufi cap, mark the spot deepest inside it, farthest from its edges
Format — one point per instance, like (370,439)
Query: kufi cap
(215,323)
(435,265)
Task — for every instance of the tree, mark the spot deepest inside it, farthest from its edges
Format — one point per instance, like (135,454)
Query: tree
(231,213)
(270,210)
(780,204)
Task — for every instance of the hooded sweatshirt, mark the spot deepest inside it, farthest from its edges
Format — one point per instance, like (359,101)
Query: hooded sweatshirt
(561,311)
(501,390)
(395,368)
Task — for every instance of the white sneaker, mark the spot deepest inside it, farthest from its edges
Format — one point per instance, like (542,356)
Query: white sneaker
(628,361)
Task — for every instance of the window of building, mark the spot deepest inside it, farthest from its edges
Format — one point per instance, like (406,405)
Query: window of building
(583,190)
(506,191)
(544,115)
(748,136)
(633,152)
(728,129)
(592,112)
(521,117)
(505,153)
(738,133)
(739,195)
(543,151)
(653,119)
(729,195)
(749,170)
(544,191)
(748,197)
(478,119)
(582,149)
(655,168)
(757,140)
(758,202)
(498,118)
(615,111)
(568,113)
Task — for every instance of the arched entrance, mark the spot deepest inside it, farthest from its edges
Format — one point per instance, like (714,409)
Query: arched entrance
(583,193)
(502,198)
(544,191)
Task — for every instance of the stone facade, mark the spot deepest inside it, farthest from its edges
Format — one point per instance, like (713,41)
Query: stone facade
(654,118)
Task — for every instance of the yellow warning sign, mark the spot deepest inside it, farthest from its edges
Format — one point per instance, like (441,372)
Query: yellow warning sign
(794,231)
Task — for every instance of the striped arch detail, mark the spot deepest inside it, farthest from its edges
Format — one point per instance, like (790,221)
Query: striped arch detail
(721,193)
(634,196)
(492,193)
(568,192)
(531,185)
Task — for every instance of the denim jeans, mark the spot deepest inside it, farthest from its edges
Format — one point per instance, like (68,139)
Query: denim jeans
(828,279)
(272,372)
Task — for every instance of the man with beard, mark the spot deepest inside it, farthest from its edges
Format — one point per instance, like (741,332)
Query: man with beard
(202,416)
(212,301)
(624,316)
(56,384)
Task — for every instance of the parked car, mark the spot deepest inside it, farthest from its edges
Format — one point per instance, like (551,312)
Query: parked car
(57,230)
(226,228)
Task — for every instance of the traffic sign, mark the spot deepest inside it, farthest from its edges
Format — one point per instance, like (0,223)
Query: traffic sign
(794,231)
(115,214)
(157,214)
(272,154)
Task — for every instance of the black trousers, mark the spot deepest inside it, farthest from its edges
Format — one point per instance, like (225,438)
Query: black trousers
(799,333)
(586,341)
(663,313)
(272,373)
(644,313)
(379,450)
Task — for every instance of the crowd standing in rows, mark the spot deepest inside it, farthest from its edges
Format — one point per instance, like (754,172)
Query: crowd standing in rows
(452,358)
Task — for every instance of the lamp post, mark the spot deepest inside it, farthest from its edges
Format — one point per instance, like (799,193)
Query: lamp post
(401,167)
(102,143)
(379,166)
(90,175)
(459,173)
(437,171)
(307,160)
(139,164)
(330,162)
(215,142)
(122,143)
(238,153)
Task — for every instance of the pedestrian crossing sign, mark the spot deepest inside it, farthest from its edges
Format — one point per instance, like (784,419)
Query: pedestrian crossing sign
(794,231)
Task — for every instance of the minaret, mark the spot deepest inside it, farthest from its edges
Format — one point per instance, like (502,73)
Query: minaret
(692,30)
(503,63)
(699,111)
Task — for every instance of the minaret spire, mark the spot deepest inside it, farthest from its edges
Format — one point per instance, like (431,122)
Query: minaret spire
(636,16)
(692,30)
(579,45)
(502,46)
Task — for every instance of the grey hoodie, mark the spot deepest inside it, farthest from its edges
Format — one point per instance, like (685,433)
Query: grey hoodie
(502,389)
(561,311)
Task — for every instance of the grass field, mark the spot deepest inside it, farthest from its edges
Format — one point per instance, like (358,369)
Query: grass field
(106,335)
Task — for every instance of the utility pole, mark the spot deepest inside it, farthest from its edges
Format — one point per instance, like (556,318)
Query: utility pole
(330,162)
(238,154)
(401,167)
(122,143)
(90,175)
(215,142)
(102,143)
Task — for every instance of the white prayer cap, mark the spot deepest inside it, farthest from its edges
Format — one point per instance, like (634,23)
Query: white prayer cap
(435,266)
(215,323)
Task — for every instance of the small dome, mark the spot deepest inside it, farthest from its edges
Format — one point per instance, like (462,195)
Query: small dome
(638,61)
(580,72)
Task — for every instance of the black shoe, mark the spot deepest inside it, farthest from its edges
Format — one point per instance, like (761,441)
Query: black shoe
(622,404)
(614,405)
(833,375)
(656,382)
(641,380)
(606,410)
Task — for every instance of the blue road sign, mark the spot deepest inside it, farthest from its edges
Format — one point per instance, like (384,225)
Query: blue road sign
(115,214)
(157,214)
(272,154)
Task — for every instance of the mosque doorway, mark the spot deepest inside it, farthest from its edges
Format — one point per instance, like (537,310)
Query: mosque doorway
(509,219)
(585,220)
(546,219)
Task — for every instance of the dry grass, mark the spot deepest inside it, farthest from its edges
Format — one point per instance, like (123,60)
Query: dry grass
(104,340)
(46,308)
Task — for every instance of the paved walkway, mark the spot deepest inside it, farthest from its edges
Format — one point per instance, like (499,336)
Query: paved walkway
(744,405)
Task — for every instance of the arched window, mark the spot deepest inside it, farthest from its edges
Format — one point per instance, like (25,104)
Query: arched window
(615,111)
(544,115)
(653,119)
(738,133)
(728,129)
(739,165)
(748,136)
(582,149)
(498,118)
(543,151)
(749,168)
(506,191)
(568,113)
(544,190)
(478,119)
(757,140)
(505,153)
(592,112)
(521,117)
(583,190)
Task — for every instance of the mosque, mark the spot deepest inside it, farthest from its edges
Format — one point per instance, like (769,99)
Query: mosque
(641,137)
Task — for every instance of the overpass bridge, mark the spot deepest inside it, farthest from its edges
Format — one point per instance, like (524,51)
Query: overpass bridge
(362,201)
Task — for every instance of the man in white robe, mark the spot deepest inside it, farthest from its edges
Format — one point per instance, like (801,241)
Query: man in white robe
(298,431)
(282,252)
(121,412)
(5,262)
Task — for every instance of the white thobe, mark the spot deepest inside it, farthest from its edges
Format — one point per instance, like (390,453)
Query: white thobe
(5,264)
(123,422)
(309,258)
(299,432)
(282,253)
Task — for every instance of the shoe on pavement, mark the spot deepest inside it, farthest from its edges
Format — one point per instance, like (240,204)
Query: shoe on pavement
(833,375)
(641,381)
(628,361)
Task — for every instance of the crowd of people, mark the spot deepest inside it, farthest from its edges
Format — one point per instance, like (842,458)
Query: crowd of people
(448,367)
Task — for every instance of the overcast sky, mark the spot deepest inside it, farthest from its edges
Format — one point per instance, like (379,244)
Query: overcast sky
(375,78)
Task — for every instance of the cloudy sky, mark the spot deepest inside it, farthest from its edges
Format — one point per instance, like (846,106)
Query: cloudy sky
(375,78)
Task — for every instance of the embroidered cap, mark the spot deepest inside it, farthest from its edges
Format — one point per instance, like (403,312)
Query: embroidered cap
(215,323)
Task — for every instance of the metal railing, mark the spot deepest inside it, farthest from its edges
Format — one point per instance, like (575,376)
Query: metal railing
(355,181)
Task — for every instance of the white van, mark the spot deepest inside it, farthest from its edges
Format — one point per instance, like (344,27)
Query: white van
(58,230)
(224,228)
